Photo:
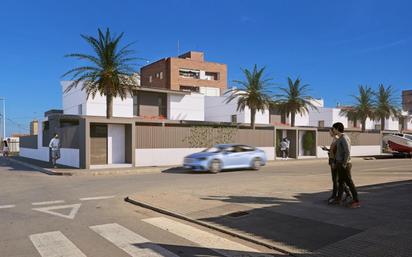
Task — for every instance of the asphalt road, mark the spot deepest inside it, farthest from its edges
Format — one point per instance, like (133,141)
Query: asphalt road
(42,215)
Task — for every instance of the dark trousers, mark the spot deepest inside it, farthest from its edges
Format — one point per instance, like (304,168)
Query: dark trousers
(344,177)
(335,183)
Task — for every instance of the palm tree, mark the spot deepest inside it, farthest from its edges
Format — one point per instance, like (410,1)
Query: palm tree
(252,94)
(364,107)
(294,99)
(386,104)
(351,114)
(109,72)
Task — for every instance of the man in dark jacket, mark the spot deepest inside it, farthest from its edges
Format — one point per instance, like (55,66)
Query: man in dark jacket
(344,165)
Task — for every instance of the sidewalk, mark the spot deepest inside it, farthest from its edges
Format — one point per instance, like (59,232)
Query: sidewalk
(301,224)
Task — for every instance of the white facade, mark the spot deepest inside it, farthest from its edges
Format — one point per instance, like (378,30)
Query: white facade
(186,107)
(216,109)
(76,102)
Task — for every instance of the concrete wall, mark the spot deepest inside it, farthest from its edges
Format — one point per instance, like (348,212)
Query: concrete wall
(328,115)
(186,107)
(95,106)
(358,150)
(174,156)
(116,144)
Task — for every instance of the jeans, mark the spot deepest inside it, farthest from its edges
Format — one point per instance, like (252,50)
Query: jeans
(335,182)
(344,177)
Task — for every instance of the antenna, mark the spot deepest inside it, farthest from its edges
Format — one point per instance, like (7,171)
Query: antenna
(178,46)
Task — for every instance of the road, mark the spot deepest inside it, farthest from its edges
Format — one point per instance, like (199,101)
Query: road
(45,215)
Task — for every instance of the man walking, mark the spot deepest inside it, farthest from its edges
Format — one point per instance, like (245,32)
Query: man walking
(54,146)
(344,165)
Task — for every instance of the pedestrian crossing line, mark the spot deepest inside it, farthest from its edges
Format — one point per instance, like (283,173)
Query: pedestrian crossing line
(205,239)
(7,206)
(130,242)
(55,244)
(97,198)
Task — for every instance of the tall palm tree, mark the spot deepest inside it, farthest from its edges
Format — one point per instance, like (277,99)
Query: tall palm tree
(364,106)
(295,99)
(109,70)
(386,104)
(351,114)
(253,93)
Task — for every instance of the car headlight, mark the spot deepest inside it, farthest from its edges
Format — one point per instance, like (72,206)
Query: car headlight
(202,159)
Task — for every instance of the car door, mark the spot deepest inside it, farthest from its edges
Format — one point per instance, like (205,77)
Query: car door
(232,157)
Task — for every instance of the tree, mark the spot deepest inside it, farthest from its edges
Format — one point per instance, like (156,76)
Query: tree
(351,114)
(109,71)
(364,107)
(386,104)
(252,94)
(294,99)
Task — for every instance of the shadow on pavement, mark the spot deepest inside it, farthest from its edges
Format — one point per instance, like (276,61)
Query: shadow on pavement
(11,166)
(307,222)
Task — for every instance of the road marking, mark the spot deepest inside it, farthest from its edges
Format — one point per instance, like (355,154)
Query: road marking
(48,202)
(205,239)
(96,198)
(7,206)
(130,242)
(53,244)
(387,168)
(71,215)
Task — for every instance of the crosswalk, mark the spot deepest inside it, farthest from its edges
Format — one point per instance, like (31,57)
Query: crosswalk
(56,244)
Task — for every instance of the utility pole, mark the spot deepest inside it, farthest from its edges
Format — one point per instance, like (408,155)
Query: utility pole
(4,116)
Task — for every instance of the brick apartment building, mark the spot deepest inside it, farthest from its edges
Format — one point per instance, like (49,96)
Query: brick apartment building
(407,100)
(188,72)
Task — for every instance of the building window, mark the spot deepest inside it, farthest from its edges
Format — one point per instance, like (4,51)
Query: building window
(189,89)
(157,75)
(321,124)
(211,76)
(150,79)
(233,118)
(136,105)
(195,74)
(79,109)
(161,75)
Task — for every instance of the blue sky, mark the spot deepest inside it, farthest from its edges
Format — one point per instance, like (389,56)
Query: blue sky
(332,45)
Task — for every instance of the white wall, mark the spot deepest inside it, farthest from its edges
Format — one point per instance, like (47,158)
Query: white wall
(186,107)
(302,119)
(357,150)
(210,91)
(174,156)
(391,124)
(116,144)
(95,106)
(337,117)
(216,109)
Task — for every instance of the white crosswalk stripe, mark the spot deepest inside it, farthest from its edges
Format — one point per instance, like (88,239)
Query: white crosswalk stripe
(205,239)
(55,244)
(130,242)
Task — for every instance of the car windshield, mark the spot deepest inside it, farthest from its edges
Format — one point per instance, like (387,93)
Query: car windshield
(408,137)
(213,150)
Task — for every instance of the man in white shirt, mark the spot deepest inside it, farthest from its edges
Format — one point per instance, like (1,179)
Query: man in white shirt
(54,146)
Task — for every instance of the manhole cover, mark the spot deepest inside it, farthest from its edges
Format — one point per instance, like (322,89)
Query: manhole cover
(238,214)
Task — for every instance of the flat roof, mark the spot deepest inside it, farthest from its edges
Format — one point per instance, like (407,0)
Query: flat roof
(161,90)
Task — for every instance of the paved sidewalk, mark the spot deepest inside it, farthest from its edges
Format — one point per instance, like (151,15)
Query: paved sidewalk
(275,211)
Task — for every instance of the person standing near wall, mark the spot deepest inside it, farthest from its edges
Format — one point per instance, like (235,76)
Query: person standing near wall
(344,165)
(283,148)
(54,146)
(5,148)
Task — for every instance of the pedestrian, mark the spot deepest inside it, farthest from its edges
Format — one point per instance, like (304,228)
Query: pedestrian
(6,148)
(287,147)
(344,165)
(54,146)
(283,148)
(334,173)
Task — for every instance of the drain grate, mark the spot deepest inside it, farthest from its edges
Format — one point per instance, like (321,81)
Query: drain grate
(237,214)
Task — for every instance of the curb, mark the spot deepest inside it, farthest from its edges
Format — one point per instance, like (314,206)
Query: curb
(280,248)
(43,170)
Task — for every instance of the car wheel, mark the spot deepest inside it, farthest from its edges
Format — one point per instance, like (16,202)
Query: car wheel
(215,166)
(256,163)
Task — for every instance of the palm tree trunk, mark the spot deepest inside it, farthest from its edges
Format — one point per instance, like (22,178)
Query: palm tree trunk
(363,125)
(292,119)
(382,123)
(109,106)
(355,123)
(252,117)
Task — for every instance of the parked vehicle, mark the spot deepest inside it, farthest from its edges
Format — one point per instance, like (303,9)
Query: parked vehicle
(401,143)
(226,156)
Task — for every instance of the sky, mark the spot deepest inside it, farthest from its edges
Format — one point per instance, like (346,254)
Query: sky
(334,46)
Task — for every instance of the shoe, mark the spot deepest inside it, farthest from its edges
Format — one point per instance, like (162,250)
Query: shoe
(331,200)
(336,202)
(354,204)
(348,198)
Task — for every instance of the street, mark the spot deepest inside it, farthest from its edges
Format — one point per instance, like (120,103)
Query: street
(45,215)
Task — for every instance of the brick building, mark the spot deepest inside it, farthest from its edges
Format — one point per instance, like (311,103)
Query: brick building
(188,72)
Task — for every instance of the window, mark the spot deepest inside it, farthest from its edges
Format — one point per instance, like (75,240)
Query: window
(136,105)
(189,88)
(321,124)
(211,76)
(150,79)
(79,109)
(195,74)
(161,75)
(233,118)
(157,75)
